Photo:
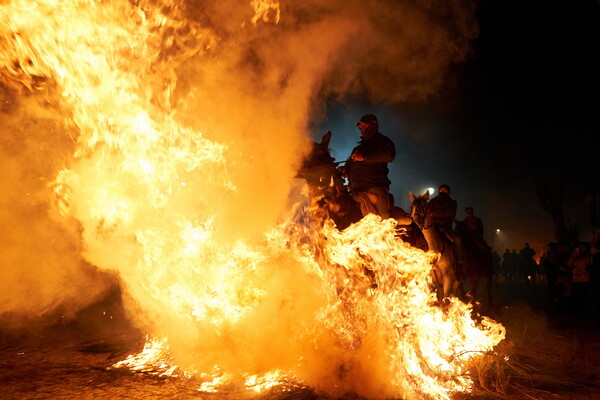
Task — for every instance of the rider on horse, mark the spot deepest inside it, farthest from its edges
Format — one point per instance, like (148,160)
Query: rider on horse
(474,227)
(442,210)
(366,168)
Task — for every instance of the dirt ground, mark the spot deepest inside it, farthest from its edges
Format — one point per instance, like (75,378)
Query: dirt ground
(555,355)
(558,350)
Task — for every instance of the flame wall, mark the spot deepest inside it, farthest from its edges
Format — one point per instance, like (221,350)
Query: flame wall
(159,140)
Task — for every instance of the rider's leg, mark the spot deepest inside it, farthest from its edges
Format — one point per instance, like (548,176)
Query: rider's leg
(459,253)
(383,200)
(458,248)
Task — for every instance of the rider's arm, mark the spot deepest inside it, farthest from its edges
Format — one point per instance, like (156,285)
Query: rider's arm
(383,151)
(379,157)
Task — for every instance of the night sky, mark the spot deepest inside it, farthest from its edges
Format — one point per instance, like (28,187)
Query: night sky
(524,102)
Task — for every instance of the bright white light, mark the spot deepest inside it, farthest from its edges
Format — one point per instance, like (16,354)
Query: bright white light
(430,190)
(497,231)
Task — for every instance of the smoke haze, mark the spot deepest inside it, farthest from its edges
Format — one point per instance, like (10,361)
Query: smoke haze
(42,268)
(161,144)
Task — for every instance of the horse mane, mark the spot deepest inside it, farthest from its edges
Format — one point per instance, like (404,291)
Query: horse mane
(327,188)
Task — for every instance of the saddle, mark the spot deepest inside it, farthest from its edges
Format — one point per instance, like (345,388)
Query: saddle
(367,206)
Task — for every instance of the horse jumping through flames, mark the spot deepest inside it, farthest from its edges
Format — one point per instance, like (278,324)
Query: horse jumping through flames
(331,198)
(478,261)
(445,277)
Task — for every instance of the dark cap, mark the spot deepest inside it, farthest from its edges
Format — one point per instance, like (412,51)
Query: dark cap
(368,118)
(444,186)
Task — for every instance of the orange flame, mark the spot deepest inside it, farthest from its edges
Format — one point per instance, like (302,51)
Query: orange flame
(159,202)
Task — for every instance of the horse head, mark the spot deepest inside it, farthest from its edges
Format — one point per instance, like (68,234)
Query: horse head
(318,167)
(326,185)
(419,209)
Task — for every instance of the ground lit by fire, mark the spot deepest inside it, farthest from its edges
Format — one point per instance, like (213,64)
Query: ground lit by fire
(207,231)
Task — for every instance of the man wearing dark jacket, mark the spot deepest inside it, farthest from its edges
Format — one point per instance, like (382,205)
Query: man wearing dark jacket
(474,227)
(442,211)
(367,168)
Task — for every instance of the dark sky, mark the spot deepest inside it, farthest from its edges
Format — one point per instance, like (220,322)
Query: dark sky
(525,100)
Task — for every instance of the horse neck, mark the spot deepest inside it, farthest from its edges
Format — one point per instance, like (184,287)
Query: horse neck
(329,190)
(434,238)
(347,206)
(431,233)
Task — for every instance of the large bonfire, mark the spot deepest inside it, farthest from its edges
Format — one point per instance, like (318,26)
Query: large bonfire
(181,180)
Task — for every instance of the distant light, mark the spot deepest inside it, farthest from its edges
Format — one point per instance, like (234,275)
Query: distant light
(430,190)
(497,231)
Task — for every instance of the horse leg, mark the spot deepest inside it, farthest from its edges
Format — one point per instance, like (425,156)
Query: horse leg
(447,288)
(437,283)
(488,285)
(452,286)
(474,286)
(442,284)
(458,288)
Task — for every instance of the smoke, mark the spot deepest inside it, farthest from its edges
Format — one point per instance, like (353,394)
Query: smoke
(164,146)
(42,269)
(268,82)
(402,50)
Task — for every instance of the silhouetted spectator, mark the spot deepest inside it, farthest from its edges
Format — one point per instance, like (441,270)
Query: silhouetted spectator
(580,261)
(595,212)
(564,279)
(496,262)
(505,264)
(594,270)
(550,267)
(527,266)
(512,266)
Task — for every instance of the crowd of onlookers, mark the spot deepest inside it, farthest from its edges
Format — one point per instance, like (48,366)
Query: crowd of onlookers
(571,272)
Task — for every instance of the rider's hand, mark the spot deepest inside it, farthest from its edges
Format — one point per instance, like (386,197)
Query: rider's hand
(356,156)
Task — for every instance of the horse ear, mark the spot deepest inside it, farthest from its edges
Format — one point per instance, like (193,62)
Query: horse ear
(411,195)
(326,138)
(426,194)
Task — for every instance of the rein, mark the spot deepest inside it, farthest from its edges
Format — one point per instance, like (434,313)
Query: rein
(326,164)
(312,168)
